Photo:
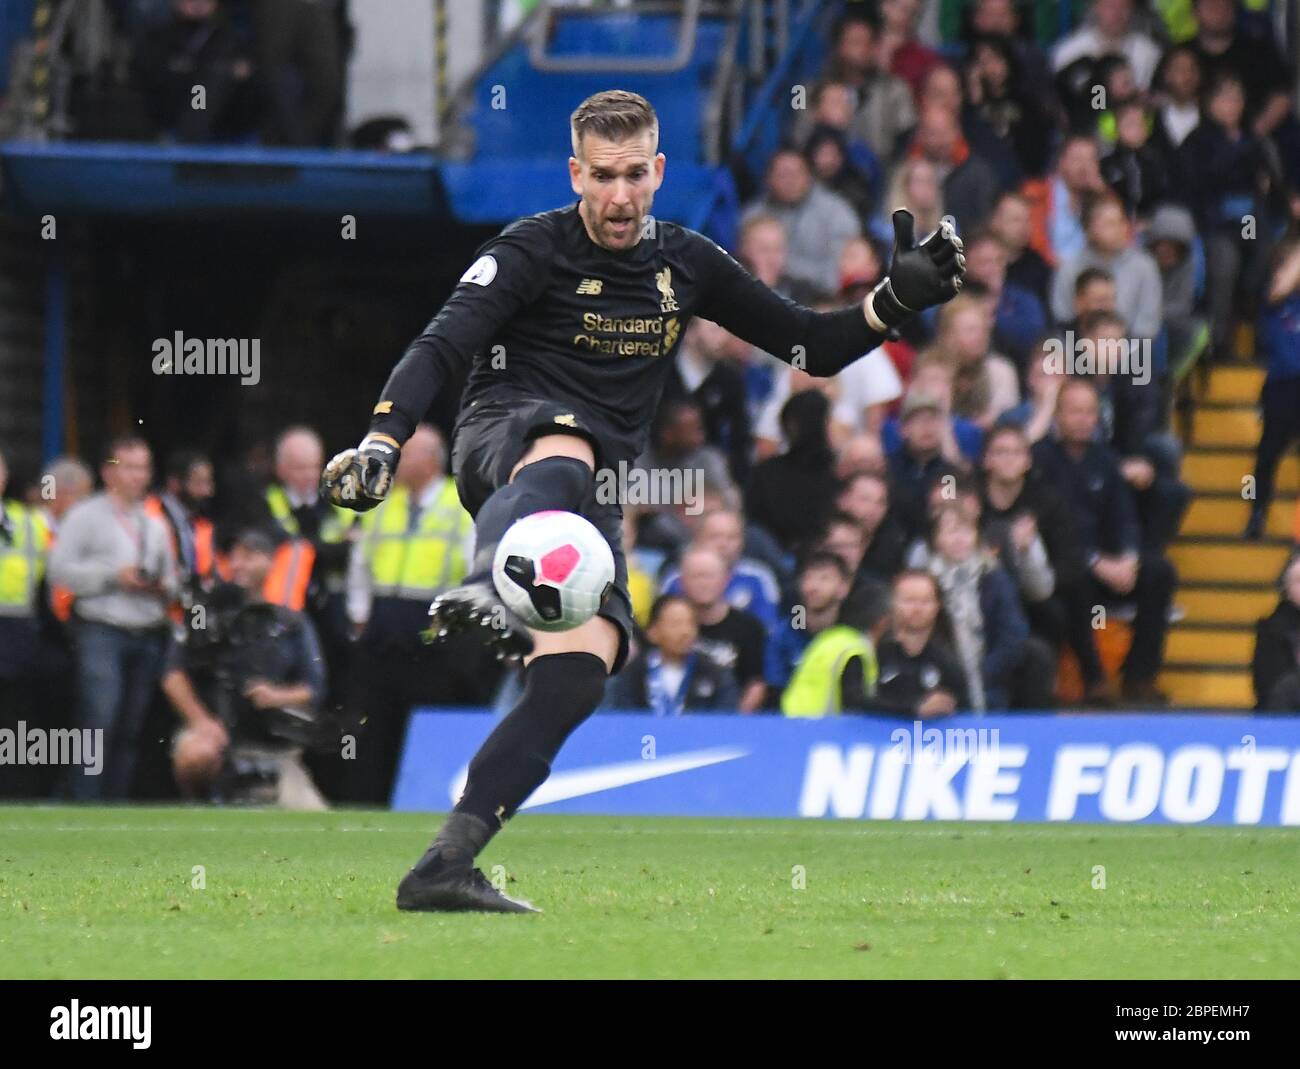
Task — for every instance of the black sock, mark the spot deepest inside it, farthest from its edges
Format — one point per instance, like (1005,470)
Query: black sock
(551,483)
(560,691)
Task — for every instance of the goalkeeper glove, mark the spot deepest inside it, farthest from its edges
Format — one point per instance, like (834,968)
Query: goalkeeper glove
(359,478)
(919,275)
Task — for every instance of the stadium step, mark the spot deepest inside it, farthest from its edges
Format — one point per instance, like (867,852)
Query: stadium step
(1191,644)
(1226,514)
(1206,604)
(1232,385)
(1226,425)
(1229,560)
(1191,686)
(1220,471)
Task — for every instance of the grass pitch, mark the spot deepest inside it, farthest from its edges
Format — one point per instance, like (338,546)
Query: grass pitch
(114,892)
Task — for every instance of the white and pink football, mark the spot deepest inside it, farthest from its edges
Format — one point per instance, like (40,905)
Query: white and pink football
(553,569)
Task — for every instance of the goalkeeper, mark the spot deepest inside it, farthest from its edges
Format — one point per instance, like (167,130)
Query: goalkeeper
(568,320)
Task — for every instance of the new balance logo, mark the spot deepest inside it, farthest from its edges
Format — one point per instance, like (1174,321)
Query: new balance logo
(590,287)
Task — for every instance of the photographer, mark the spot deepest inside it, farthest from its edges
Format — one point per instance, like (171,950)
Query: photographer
(247,684)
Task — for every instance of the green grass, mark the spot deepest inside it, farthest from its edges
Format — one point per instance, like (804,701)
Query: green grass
(108,893)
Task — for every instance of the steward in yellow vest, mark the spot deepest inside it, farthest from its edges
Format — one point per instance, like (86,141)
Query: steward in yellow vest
(817,686)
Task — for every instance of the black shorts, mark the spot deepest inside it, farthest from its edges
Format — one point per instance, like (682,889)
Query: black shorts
(489,441)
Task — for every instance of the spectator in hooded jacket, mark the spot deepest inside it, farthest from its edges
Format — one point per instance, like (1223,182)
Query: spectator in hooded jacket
(1275,665)
(1171,239)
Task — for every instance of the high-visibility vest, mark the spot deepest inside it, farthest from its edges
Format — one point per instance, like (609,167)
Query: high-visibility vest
(333,528)
(814,689)
(22,562)
(415,564)
(201,530)
(290,575)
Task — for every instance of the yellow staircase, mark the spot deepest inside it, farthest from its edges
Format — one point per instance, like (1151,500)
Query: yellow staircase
(1225,582)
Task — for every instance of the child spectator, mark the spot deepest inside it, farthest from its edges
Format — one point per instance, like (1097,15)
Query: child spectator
(988,625)
(671,676)
(731,637)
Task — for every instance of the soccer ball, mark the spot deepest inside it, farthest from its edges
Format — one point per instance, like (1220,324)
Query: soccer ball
(553,569)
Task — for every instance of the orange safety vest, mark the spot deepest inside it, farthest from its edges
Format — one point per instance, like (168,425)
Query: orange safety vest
(290,575)
(202,531)
(61,598)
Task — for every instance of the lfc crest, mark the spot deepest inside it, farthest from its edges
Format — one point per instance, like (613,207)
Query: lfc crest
(664,280)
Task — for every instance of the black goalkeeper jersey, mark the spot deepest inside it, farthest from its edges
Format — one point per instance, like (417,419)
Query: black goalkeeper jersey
(546,313)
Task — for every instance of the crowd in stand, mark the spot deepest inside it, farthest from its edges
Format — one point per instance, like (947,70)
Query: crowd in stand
(933,530)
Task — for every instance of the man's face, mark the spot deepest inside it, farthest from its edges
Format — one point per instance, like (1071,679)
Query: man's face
(937,134)
(821,587)
(299,463)
(855,47)
(835,106)
(1079,167)
(129,472)
(942,90)
(867,501)
(915,606)
(1112,16)
(986,263)
(199,484)
(763,249)
(968,334)
(1182,76)
(704,578)
(788,179)
(923,431)
(1216,16)
(723,533)
(1007,458)
(684,433)
(617,181)
(1227,104)
(845,541)
(421,459)
(249,567)
(1097,296)
(1011,223)
(1108,229)
(1076,414)
(995,17)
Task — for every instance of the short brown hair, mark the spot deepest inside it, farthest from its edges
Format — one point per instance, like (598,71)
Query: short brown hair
(615,115)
